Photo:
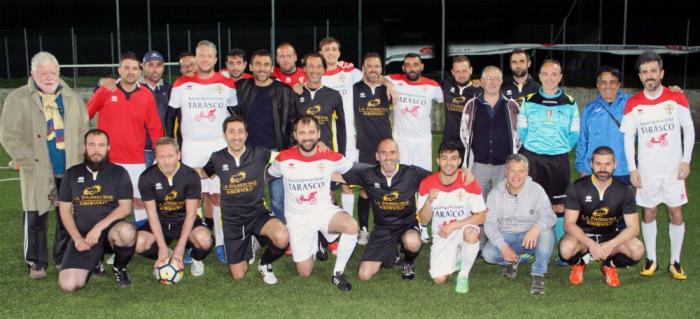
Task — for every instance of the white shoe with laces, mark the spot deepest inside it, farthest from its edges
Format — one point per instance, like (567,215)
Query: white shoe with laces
(268,276)
(197,268)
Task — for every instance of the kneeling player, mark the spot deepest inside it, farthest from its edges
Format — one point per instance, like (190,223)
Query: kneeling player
(171,192)
(241,170)
(601,219)
(457,210)
(94,199)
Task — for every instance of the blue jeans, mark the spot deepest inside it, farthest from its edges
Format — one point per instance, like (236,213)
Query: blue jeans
(277,198)
(542,252)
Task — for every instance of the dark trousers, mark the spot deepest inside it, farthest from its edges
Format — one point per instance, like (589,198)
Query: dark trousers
(35,237)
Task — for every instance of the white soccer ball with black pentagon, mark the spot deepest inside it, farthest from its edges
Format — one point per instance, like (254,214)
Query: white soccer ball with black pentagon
(169,273)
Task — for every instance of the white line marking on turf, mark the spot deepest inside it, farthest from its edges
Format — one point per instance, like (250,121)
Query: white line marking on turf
(9,179)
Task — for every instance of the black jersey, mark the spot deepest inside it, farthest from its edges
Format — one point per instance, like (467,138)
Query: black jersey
(600,214)
(326,105)
(94,195)
(455,99)
(170,194)
(517,92)
(242,182)
(393,200)
(372,109)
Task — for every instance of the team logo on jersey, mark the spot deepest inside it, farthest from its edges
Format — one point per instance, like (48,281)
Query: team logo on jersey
(459,100)
(640,111)
(206,115)
(301,99)
(81,179)
(390,197)
(219,90)
(588,199)
(661,141)
(668,108)
(362,95)
(376,185)
(313,110)
(189,86)
(171,196)
(321,167)
(600,212)
(224,167)
(373,103)
(92,190)
(114,99)
(237,178)
(310,199)
(288,80)
(290,166)
(159,186)
(412,110)
(452,89)
(509,92)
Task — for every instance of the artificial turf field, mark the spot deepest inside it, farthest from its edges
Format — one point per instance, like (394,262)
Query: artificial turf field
(215,295)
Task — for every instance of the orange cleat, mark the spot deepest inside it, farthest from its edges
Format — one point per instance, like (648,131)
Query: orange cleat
(576,275)
(610,276)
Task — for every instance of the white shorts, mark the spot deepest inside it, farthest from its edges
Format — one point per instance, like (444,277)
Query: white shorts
(670,191)
(211,185)
(418,152)
(444,252)
(303,231)
(134,171)
(197,153)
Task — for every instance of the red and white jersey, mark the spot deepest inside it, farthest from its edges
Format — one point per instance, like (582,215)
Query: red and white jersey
(454,202)
(298,77)
(412,111)
(342,80)
(657,123)
(203,104)
(307,179)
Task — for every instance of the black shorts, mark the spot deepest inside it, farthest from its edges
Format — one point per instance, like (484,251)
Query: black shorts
(238,241)
(171,231)
(383,241)
(88,259)
(601,238)
(368,157)
(552,172)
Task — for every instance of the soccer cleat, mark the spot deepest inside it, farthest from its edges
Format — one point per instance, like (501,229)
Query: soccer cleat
(99,270)
(188,257)
(36,271)
(321,254)
(649,268)
(424,236)
(511,270)
(221,254)
(110,260)
(333,247)
(676,271)
(537,287)
(340,281)
(255,246)
(409,271)
(462,286)
(576,275)
(197,268)
(363,237)
(122,277)
(397,259)
(610,276)
(268,276)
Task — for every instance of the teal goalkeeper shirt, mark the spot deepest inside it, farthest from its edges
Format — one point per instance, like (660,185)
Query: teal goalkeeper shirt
(549,125)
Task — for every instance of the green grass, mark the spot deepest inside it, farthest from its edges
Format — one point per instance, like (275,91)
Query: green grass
(215,295)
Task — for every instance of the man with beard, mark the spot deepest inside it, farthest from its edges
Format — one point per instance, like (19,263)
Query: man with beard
(171,193)
(287,72)
(153,67)
(241,168)
(601,222)
(187,64)
(306,174)
(655,117)
(457,90)
(235,65)
(456,210)
(128,114)
(521,84)
(94,199)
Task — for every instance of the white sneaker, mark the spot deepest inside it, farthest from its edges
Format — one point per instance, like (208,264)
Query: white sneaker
(424,236)
(363,237)
(197,268)
(255,246)
(110,260)
(268,276)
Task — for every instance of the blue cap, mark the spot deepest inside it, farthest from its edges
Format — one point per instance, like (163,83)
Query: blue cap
(153,56)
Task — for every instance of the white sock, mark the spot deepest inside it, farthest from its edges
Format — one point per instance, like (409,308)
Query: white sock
(218,228)
(469,252)
(348,201)
(649,234)
(676,233)
(140,215)
(346,245)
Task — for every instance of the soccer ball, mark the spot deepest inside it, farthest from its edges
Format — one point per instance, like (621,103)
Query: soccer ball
(169,273)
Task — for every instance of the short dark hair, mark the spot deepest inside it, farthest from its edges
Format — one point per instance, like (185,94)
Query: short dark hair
(236,52)
(412,55)
(370,55)
(95,131)
(461,58)
(327,41)
(314,55)
(260,53)
(610,69)
(185,54)
(450,146)
(234,118)
(649,56)
(128,55)
(306,119)
(603,150)
(520,51)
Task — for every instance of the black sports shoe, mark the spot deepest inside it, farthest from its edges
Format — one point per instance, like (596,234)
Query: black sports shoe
(409,271)
(341,282)
(99,270)
(122,277)
(321,254)
(397,260)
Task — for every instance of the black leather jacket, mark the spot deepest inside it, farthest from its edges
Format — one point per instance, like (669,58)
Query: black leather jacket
(282,101)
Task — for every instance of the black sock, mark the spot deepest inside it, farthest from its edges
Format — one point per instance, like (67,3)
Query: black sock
(122,256)
(619,261)
(199,254)
(363,212)
(575,259)
(322,242)
(271,254)
(409,256)
(209,222)
(151,252)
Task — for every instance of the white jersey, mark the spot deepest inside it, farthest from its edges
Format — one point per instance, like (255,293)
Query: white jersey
(342,80)
(413,109)
(307,180)
(657,123)
(203,105)
(454,202)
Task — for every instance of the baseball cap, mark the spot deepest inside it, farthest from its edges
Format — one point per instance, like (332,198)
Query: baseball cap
(152,56)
